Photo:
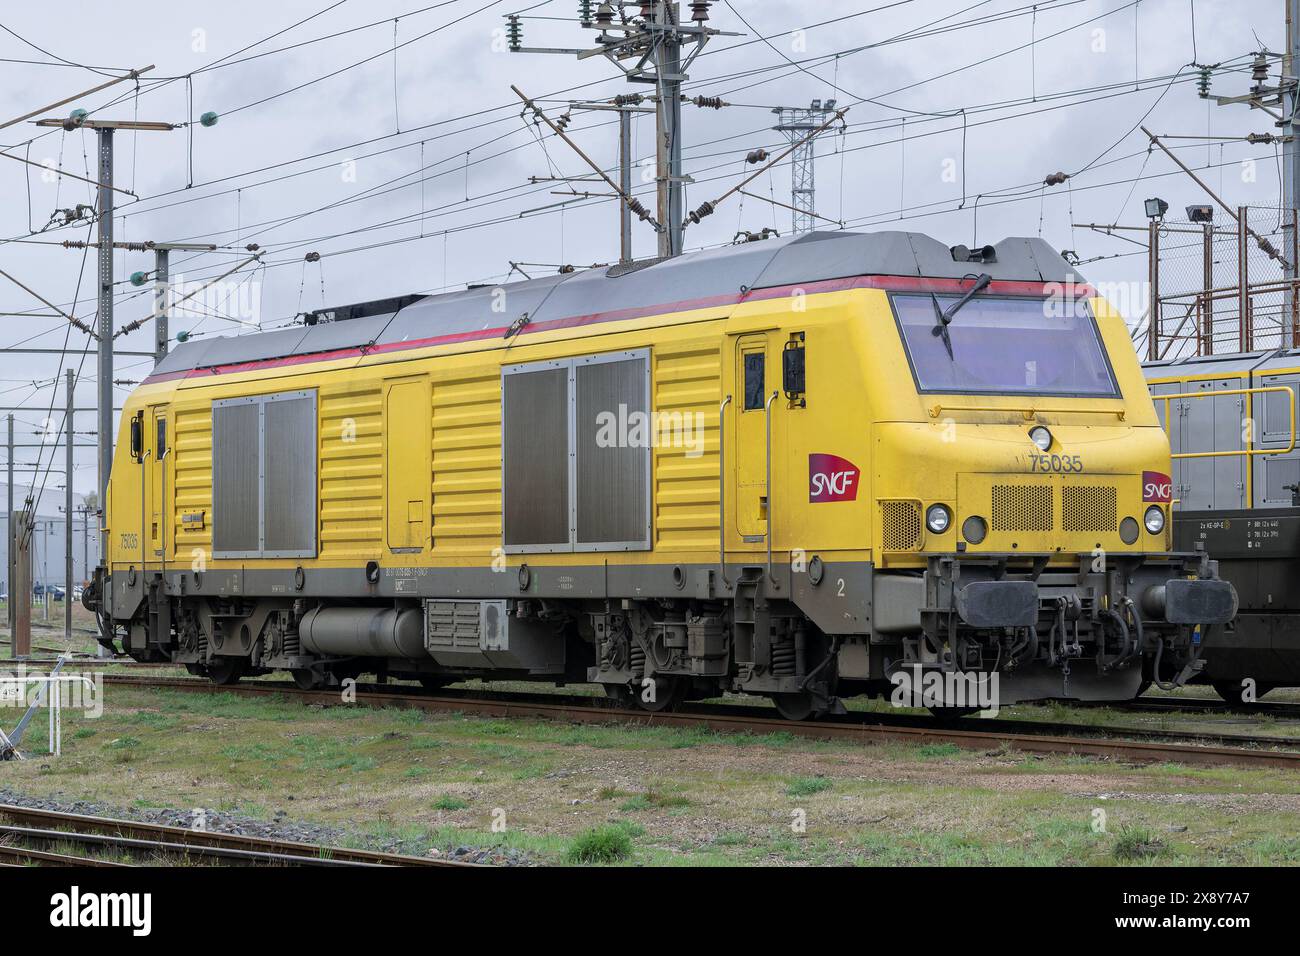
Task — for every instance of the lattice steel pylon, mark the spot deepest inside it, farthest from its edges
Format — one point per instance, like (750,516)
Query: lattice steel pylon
(796,123)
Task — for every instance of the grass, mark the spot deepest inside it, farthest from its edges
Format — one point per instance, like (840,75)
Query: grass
(606,844)
(938,750)
(654,800)
(622,793)
(1134,843)
(448,802)
(806,786)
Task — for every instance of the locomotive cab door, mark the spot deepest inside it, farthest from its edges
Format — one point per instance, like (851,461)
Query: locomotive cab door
(757,376)
(157,440)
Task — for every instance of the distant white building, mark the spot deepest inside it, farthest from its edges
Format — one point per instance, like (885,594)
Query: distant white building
(49,536)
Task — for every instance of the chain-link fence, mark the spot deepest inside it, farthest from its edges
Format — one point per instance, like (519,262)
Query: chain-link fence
(1206,275)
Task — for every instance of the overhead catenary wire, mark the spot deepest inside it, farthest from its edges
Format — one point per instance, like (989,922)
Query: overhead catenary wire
(851,131)
(489,222)
(421,180)
(897,38)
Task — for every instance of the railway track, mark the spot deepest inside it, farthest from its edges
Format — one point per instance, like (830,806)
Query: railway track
(33,832)
(38,647)
(96,662)
(1208,705)
(1130,744)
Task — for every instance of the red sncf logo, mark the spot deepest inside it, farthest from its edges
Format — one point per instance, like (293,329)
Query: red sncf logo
(1157,487)
(831,478)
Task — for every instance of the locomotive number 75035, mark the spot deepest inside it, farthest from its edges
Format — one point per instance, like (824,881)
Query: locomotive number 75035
(1058,464)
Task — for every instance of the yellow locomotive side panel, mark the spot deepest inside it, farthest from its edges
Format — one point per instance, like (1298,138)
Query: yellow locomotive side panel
(351,469)
(898,449)
(192,479)
(695,361)
(466,463)
(839,330)
(686,388)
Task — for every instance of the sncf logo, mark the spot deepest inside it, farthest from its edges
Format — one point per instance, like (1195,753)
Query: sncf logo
(832,478)
(1157,487)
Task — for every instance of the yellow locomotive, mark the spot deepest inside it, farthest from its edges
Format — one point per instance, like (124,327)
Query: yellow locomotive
(802,468)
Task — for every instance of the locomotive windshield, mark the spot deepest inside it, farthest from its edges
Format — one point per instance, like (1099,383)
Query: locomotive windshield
(1004,346)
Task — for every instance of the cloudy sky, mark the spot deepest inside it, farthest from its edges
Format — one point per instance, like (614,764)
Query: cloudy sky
(408,170)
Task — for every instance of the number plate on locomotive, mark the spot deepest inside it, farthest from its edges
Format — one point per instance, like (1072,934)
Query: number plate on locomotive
(1056,464)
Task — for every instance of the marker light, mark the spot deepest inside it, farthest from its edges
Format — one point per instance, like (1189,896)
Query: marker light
(1041,437)
(974,529)
(1128,530)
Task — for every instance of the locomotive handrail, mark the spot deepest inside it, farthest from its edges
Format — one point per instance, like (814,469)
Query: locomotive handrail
(767,425)
(722,492)
(1028,411)
(1249,451)
(144,477)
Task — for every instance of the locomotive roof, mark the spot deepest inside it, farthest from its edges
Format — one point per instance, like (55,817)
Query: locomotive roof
(692,280)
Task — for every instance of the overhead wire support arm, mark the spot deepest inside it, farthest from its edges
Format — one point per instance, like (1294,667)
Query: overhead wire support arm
(786,205)
(1264,244)
(708,208)
(131,75)
(75,321)
(630,201)
(61,172)
(135,324)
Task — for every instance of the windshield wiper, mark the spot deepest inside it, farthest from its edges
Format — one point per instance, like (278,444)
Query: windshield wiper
(941,325)
(944,317)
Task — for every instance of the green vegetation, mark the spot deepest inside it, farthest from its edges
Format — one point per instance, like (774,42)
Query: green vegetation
(806,786)
(938,750)
(624,793)
(607,844)
(654,800)
(1137,843)
(448,802)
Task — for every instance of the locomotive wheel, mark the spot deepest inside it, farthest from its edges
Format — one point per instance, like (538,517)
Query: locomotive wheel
(619,694)
(226,671)
(794,706)
(669,692)
(306,678)
(1232,692)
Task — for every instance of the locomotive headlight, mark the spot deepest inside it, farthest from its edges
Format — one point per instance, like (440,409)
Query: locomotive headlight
(938,518)
(974,529)
(1041,437)
(1154,519)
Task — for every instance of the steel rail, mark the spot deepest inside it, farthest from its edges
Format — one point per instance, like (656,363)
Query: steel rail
(1161,705)
(216,840)
(96,662)
(167,848)
(865,728)
(21,855)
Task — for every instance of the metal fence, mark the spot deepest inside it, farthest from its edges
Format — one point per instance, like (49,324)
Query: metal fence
(1221,286)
